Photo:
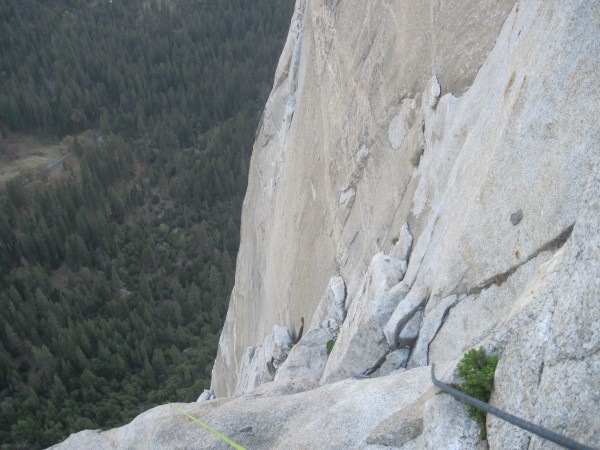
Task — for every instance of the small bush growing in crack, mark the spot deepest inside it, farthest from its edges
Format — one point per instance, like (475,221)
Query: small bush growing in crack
(330,344)
(478,370)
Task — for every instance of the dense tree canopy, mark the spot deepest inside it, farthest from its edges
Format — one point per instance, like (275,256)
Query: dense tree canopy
(115,278)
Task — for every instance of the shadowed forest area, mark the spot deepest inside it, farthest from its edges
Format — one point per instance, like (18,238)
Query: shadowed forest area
(115,276)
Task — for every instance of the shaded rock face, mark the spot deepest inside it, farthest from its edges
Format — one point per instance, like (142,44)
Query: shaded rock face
(401,328)
(403,245)
(429,329)
(333,303)
(254,372)
(281,345)
(206,396)
(361,343)
(308,357)
(304,357)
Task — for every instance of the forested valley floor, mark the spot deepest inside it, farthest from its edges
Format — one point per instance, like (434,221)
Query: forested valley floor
(116,273)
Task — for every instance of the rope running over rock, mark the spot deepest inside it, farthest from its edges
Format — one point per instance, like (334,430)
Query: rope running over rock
(212,430)
(528,426)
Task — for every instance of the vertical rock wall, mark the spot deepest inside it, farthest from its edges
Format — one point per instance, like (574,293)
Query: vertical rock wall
(331,168)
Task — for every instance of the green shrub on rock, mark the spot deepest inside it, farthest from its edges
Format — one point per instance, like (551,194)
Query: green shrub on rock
(478,370)
(330,344)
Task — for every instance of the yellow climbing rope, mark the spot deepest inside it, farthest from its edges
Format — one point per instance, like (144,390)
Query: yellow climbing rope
(212,430)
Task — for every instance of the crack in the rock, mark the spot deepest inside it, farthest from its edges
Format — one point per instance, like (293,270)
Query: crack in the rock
(500,278)
(574,358)
(380,361)
(458,300)
(371,370)
(398,209)
(412,251)
(540,372)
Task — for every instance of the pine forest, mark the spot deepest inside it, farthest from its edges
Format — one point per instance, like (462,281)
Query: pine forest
(116,270)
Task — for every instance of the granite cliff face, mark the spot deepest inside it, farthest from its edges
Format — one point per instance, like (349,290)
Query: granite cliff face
(425,180)
(331,180)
